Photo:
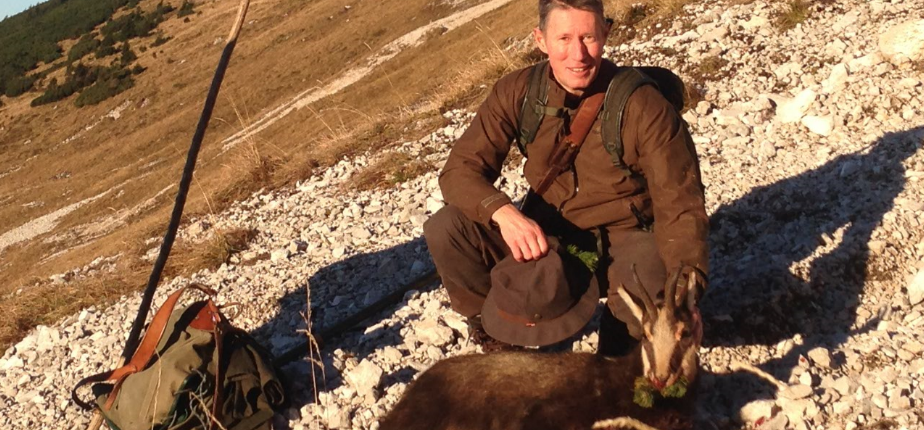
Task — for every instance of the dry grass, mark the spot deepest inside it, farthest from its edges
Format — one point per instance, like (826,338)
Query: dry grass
(389,171)
(796,13)
(669,8)
(45,303)
(217,249)
(710,69)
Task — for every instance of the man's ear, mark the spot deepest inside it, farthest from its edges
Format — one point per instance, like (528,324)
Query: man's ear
(540,40)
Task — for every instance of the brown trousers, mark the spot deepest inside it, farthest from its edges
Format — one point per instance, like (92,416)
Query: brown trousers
(464,252)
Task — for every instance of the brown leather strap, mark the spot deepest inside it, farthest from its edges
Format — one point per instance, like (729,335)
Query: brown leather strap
(565,152)
(152,337)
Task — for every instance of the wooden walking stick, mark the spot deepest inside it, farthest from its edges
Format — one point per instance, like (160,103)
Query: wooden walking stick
(132,342)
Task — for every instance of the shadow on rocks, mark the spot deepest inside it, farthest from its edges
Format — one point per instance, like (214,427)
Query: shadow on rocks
(790,260)
(337,292)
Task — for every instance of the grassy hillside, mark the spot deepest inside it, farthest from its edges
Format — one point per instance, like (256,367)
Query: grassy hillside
(102,177)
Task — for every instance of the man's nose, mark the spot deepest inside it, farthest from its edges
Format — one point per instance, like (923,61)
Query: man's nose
(578,50)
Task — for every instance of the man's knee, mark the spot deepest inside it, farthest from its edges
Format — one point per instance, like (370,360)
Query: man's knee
(445,223)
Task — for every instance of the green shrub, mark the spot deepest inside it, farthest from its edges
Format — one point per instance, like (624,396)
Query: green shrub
(17,86)
(161,39)
(135,24)
(185,9)
(114,82)
(128,56)
(87,44)
(106,47)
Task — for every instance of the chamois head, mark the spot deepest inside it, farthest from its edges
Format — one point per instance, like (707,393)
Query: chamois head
(672,331)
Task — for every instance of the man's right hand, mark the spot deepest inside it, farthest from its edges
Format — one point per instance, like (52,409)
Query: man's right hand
(523,236)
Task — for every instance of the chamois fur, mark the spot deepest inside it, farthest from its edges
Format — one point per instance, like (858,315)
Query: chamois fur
(537,391)
(531,391)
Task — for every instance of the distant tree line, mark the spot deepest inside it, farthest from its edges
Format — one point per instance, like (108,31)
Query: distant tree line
(32,37)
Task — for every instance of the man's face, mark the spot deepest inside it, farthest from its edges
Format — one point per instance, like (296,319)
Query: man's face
(573,40)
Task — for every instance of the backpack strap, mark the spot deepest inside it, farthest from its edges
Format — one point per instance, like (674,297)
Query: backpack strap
(624,83)
(534,105)
(205,320)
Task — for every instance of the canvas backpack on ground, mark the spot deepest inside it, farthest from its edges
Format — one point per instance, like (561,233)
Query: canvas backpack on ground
(624,82)
(192,370)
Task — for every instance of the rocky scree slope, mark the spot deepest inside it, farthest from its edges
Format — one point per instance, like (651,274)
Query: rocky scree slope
(810,142)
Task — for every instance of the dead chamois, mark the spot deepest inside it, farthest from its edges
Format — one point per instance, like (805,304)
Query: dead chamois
(536,391)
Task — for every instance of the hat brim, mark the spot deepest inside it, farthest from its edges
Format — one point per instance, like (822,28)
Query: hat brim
(510,329)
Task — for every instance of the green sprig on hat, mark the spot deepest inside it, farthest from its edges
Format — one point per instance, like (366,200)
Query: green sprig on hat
(590,259)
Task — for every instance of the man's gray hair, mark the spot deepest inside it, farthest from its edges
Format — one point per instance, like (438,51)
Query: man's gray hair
(547,6)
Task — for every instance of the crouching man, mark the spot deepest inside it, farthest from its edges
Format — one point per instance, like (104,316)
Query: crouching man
(508,270)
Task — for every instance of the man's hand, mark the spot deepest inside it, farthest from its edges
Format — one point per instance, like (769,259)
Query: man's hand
(523,236)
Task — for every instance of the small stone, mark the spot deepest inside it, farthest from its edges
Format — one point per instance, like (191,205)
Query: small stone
(430,332)
(365,377)
(904,41)
(888,375)
(796,392)
(821,357)
(418,266)
(456,322)
(913,347)
(916,289)
(843,385)
(11,363)
(805,379)
(703,107)
(297,246)
(837,80)
(792,110)
(279,255)
(766,149)
(392,354)
(820,125)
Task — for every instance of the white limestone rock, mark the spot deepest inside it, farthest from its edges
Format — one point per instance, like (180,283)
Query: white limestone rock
(365,377)
(903,42)
(790,110)
(916,289)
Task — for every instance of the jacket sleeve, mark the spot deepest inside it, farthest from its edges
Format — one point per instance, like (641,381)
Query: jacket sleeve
(669,164)
(476,159)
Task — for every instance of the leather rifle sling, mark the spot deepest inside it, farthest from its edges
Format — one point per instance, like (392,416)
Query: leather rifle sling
(563,156)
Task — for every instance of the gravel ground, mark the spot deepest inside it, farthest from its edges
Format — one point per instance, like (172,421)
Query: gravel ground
(810,142)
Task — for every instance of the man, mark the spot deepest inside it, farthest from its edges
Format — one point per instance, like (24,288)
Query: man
(651,221)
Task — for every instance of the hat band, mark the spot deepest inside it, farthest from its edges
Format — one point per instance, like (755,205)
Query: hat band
(515,318)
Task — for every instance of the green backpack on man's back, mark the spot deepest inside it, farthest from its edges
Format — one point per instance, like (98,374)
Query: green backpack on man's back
(624,82)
